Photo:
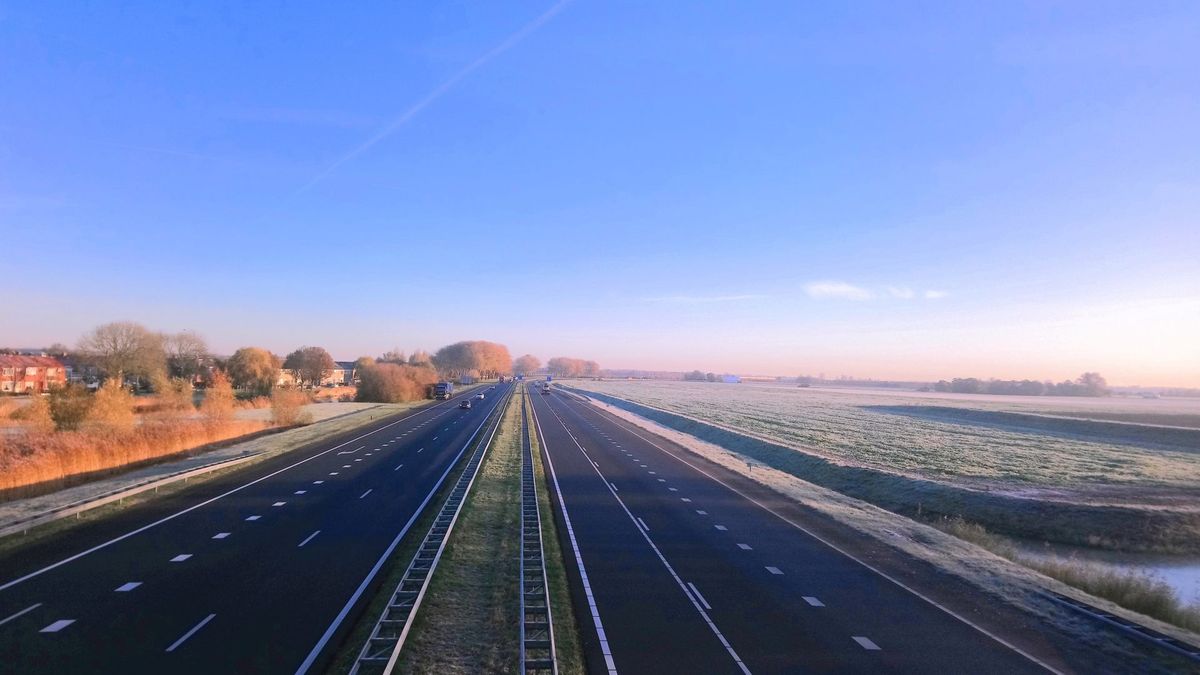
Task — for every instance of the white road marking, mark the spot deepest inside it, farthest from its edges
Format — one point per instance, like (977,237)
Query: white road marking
(300,492)
(126,587)
(253,518)
(318,482)
(774,570)
(703,513)
(653,473)
(813,601)
(365,493)
(614,487)
(351,452)
(21,613)
(57,626)
(698,596)
(333,473)
(643,524)
(345,466)
(181,557)
(866,643)
(745,547)
(662,480)
(221,535)
(685,499)
(190,633)
(308,538)
(398,466)
(721,527)
(673,489)
(278,503)
(421,450)
(434,438)
(359,459)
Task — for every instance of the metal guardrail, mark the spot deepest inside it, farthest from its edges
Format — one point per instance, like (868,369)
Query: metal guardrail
(381,651)
(1184,649)
(537,628)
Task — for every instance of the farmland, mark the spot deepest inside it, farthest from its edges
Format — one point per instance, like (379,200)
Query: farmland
(1025,466)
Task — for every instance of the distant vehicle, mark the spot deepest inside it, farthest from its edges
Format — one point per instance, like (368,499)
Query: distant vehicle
(479,396)
(545,387)
(466,404)
(443,390)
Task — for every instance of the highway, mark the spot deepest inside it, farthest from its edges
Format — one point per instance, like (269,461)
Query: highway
(256,571)
(672,571)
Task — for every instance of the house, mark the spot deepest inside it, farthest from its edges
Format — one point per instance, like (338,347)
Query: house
(37,374)
(341,375)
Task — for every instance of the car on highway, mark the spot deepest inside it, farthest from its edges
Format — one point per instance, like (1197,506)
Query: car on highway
(479,396)
(465,405)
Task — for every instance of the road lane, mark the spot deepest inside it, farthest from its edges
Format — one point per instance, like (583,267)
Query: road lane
(784,600)
(270,600)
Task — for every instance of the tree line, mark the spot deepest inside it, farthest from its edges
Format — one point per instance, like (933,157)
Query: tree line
(1087,384)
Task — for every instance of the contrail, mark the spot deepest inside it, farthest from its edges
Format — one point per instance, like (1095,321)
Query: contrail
(437,93)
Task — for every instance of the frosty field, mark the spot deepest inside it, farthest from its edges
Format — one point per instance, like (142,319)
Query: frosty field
(876,429)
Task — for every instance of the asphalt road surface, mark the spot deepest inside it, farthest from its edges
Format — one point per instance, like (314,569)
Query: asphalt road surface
(674,572)
(252,572)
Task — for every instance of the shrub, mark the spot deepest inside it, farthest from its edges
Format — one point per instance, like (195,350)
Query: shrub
(392,383)
(36,415)
(112,408)
(69,406)
(218,399)
(287,407)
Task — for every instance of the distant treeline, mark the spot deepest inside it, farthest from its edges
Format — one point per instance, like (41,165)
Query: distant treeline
(1088,384)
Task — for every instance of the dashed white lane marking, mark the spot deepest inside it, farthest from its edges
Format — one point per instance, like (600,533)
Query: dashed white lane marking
(318,482)
(398,467)
(345,466)
(21,613)
(57,626)
(434,438)
(300,492)
(221,535)
(745,547)
(366,493)
(653,473)
(333,473)
(421,450)
(278,503)
(698,596)
(721,527)
(813,601)
(359,459)
(253,518)
(662,480)
(643,524)
(673,489)
(181,557)
(126,587)
(190,633)
(774,570)
(701,512)
(684,499)
(614,487)
(866,643)
(308,539)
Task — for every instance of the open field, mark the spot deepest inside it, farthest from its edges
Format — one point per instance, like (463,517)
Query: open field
(1013,467)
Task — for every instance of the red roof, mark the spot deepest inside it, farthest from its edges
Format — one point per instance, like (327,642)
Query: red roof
(20,361)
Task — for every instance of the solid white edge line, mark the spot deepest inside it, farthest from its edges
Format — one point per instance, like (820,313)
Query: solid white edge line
(662,558)
(362,587)
(931,601)
(308,539)
(206,502)
(587,586)
(190,633)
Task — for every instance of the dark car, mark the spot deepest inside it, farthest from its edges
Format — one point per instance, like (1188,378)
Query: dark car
(465,405)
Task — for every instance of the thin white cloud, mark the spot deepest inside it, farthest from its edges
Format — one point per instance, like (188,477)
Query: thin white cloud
(935,295)
(837,290)
(703,299)
(440,91)
(902,292)
(298,116)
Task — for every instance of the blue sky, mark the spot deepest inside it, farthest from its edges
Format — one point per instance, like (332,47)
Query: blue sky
(751,187)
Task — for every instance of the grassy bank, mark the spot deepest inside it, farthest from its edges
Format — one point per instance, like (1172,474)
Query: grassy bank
(1112,527)
(1136,591)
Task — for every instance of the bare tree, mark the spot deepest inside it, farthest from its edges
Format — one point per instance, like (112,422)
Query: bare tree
(309,365)
(526,364)
(186,353)
(124,348)
(394,355)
